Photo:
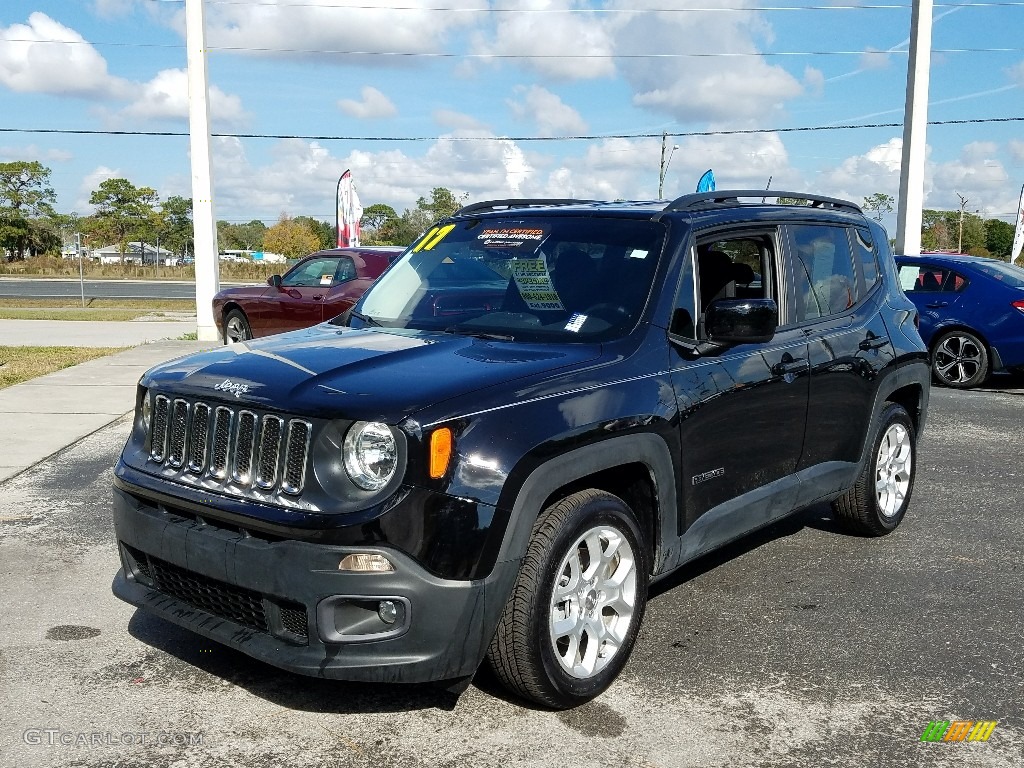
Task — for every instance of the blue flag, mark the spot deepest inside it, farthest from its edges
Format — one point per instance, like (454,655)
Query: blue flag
(707,182)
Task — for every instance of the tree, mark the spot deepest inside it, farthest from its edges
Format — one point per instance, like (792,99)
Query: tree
(998,238)
(241,237)
(880,203)
(26,197)
(376,215)
(176,228)
(290,238)
(124,212)
(325,231)
(443,202)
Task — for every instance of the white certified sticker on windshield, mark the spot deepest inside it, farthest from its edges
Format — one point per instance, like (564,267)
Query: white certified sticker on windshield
(575,322)
(534,283)
(637,253)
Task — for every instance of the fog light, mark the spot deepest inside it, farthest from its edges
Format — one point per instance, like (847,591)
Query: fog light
(388,611)
(365,562)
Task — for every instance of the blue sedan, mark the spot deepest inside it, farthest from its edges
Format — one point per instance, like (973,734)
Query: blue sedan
(972,314)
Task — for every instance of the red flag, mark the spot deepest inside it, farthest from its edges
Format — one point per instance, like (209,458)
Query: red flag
(349,212)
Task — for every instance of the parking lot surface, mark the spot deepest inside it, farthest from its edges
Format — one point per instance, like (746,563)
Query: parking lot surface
(798,646)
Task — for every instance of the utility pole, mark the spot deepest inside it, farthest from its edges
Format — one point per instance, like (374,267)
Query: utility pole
(915,125)
(664,163)
(960,237)
(203,221)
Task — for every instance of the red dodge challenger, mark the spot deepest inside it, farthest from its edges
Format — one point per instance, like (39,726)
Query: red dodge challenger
(321,286)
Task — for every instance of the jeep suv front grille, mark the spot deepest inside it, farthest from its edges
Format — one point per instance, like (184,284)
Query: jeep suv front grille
(201,440)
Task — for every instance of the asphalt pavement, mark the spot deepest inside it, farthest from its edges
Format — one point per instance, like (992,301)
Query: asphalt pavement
(44,415)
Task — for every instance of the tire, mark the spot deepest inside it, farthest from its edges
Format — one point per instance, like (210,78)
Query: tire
(565,633)
(236,327)
(878,501)
(960,360)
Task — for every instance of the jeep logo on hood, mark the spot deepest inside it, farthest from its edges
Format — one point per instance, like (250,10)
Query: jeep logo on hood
(232,387)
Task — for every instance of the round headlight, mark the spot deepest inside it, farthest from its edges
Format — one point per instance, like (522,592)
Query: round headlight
(371,454)
(147,411)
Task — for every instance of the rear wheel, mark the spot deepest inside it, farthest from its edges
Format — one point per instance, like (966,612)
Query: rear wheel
(572,618)
(877,503)
(960,360)
(236,327)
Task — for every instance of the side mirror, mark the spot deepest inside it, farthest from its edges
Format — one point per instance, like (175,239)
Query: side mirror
(741,321)
(274,281)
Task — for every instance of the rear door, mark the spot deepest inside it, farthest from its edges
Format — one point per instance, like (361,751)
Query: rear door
(936,291)
(838,305)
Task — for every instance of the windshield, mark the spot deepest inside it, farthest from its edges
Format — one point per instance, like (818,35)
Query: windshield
(544,278)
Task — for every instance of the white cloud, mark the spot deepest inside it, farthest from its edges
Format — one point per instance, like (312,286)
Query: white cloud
(814,81)
(1016,74)
(1016,150)
(34,152)
(872,58)
(165,97)
(695,89)
(90,183)
(545,109)
(977,175)
(31,63)
(857,177)
(450,119)
(558,45)
(374,105)
(282,27)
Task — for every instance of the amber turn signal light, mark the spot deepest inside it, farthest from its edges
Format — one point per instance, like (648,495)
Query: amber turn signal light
(440,452)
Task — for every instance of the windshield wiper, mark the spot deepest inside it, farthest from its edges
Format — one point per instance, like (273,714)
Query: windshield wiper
(478,334)
(365,318)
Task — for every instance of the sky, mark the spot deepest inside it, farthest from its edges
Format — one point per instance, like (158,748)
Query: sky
(485,97)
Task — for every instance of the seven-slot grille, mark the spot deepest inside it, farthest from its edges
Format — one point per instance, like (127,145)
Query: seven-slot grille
(267,451)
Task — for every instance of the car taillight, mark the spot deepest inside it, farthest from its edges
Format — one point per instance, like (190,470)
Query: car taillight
(1018,305)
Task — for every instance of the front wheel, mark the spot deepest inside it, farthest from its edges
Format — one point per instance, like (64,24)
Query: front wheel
(236,327)
(960,360)
(572,618)
(877,503)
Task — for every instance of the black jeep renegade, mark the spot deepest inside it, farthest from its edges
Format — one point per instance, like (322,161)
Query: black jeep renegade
(542,407)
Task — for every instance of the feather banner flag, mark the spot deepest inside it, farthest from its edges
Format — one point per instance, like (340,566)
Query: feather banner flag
(349,212)
(707,182)
(1018,234)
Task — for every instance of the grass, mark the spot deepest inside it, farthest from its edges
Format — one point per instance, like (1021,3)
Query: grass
(53,266)
(17,308)
(18,364)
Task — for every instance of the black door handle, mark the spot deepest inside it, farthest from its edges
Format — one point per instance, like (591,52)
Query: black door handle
(873,342)
(787,366)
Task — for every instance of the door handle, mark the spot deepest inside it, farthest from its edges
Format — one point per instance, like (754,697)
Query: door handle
(937,305)
(317,298)
(873,342)
(787,366)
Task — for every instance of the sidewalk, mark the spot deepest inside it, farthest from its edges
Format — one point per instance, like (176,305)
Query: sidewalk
(47,414)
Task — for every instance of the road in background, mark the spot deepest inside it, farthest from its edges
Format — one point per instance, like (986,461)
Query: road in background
(100,289)
(799,646)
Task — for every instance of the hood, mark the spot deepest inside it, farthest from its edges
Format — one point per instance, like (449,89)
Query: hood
(380,374)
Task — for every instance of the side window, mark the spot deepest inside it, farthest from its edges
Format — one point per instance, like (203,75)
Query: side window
(312,274)
(684,316)
(346,270)
(864,252)
(823,267)
(927,278)
(734,266)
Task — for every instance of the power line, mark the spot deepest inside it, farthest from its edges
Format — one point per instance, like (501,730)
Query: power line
(594,137)
(602,11)
(451,55)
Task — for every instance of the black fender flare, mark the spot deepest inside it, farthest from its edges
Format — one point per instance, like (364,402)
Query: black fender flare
(645,448)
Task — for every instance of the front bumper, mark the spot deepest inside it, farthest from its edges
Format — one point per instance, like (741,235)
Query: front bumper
(286,603)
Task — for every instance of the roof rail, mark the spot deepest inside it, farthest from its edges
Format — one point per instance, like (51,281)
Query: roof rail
(731,197)
(493,205)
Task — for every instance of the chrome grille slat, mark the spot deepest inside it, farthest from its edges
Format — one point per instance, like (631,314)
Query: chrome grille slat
(200,432)
(158,435)
(245,446)
(270,451)
(296,452)
(242,450)
(221,442)
(178,433)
